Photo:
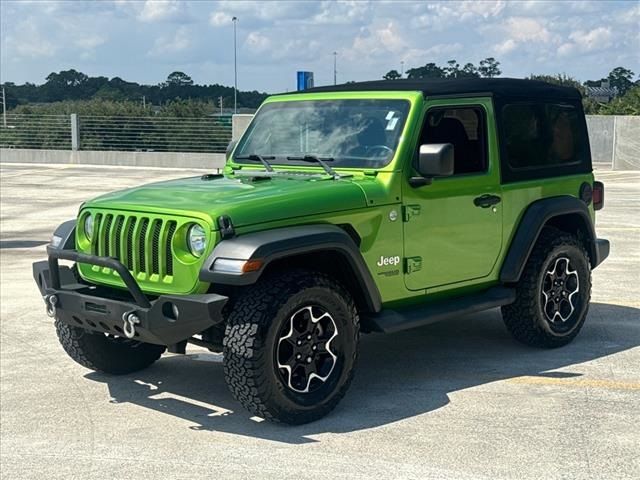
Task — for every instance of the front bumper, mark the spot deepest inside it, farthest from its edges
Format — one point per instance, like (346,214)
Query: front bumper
(164,320)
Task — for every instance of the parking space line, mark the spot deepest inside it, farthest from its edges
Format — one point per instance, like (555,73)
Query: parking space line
(576,382)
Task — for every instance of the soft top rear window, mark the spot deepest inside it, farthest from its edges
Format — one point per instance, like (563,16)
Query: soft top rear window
(543,140)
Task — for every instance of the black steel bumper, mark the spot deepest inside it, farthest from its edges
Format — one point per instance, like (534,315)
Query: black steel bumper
(164,320)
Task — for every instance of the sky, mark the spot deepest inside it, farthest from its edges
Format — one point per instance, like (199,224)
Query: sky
(143,41)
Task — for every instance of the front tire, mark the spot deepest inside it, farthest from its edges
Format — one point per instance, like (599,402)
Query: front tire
(107,354)
(552,297)
(290,346)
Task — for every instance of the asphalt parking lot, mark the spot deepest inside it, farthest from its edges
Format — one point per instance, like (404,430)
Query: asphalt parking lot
(454,400)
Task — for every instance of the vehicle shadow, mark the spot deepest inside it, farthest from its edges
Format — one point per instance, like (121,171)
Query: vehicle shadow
(398,376)
(22,243)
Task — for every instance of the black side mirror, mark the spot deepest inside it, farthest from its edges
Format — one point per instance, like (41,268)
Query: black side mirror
(434,160)
(230,147)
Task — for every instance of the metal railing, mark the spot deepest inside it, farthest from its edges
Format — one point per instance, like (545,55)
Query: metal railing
(148,134)
(51,132)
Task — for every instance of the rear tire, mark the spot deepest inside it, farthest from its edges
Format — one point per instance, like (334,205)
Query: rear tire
(107,354)
(552,297)
(290,346)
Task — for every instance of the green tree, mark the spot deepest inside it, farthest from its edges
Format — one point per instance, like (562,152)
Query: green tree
(430,70)
(561,79)
(621,78)
(628,104)
(67,78)
(179,79)
(392,75)
(489,68)
(452,70)
(468,71)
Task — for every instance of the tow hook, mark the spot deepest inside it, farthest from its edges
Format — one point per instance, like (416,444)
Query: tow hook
(50,304)
(130,320)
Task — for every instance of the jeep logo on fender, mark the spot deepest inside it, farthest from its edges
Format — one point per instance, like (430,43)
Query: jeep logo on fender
(384,261)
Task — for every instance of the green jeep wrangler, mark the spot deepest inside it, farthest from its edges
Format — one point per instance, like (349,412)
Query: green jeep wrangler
(365,207)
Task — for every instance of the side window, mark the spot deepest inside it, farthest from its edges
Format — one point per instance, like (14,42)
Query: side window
(542,135)
(465,129)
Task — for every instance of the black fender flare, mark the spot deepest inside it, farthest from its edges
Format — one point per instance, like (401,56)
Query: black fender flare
(536,216)
(66,231)
(270,245)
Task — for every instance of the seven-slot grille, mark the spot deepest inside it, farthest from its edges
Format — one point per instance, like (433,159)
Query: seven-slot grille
(141,243)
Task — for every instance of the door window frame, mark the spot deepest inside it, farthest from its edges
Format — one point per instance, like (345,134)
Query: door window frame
(484,129)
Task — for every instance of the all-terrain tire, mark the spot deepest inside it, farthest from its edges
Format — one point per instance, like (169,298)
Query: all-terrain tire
(113,355)
(526,318)
(254,335)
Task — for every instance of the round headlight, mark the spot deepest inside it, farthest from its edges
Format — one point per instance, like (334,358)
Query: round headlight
(88,226)
(197,240)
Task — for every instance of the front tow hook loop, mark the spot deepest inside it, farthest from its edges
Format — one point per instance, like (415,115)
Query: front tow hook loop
(130,320)
(51,301)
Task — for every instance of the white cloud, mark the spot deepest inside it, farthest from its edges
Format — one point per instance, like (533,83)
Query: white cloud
(277,38)
(167,45)
(257,42)
(218,19)
(376,40)
(156,10)
(524,29)
(89,42)
(28,41)
(599,38)
(341,12)
(506,47)
(440,15)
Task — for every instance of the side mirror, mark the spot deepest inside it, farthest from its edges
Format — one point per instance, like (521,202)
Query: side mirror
(434,160)
(230,147)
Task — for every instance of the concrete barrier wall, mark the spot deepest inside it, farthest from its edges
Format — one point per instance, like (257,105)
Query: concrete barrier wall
(212,161)
(601,137)
(615,143)
(626,143)
(239,124)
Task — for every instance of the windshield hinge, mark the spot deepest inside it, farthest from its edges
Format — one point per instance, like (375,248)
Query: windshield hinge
(409,211)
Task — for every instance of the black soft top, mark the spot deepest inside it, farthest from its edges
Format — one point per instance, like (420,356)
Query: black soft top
(499,87)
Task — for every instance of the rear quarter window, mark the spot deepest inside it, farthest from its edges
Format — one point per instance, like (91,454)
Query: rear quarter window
(543,140)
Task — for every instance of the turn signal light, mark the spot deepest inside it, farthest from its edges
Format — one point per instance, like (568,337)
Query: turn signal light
(598,195)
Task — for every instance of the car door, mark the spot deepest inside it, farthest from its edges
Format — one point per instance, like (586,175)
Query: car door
(453,227)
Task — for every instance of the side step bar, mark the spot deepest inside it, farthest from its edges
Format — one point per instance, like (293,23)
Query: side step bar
(389,321)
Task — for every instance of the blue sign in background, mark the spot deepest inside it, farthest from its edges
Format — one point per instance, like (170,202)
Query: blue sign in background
(305,80)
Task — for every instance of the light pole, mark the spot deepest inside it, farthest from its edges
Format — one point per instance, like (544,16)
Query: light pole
(402,69)
(4,108)
(335,72)
(235,67)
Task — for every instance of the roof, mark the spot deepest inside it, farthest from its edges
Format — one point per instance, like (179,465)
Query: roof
(602,91)
(504,87)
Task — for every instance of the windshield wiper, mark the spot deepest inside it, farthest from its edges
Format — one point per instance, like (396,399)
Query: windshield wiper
(257,158)
(320,161)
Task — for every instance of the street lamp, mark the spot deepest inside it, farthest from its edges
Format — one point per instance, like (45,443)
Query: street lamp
(235,67)
(335,72)
(401,68)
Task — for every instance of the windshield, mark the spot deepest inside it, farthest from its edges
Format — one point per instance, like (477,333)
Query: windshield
(349,133)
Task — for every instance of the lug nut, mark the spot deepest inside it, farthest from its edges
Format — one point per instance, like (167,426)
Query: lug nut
(315,347)
(299,342)
(298,357)
(308,337)
(309,359)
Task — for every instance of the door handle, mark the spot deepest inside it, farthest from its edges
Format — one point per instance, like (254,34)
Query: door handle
(486,201)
